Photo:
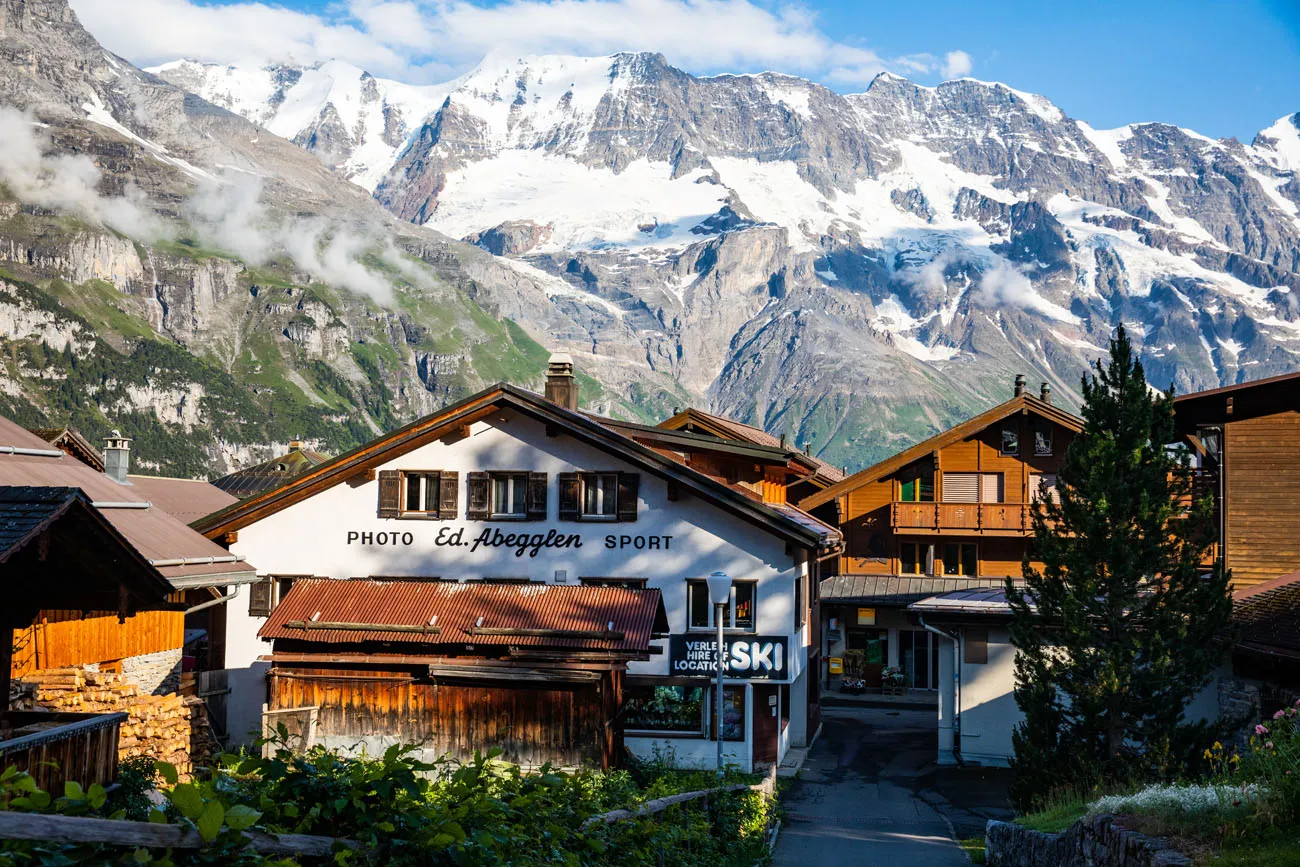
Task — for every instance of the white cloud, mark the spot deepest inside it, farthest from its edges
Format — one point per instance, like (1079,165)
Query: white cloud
(428,40)
(956,64)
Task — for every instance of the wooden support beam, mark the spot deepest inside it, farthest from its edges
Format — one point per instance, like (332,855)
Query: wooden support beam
(348,626)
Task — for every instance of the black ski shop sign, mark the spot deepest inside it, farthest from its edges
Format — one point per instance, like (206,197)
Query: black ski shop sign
(747,657)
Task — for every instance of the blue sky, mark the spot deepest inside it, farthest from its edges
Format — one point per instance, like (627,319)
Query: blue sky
(1222,68)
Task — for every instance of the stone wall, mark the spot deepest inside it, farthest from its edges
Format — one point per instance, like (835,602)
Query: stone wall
(1092,842)
(155,673)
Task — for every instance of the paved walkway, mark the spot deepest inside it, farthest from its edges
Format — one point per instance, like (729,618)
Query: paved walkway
(854,801)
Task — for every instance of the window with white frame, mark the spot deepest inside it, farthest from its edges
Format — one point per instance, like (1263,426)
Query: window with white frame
(599,496)
(737,614)
(509,495)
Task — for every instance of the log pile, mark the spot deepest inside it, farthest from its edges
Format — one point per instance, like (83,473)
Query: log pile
(162,727)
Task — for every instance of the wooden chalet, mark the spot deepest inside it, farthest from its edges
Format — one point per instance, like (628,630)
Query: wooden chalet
(537,669)
(58,551)
(148,647)
(949,514)
(1246,442)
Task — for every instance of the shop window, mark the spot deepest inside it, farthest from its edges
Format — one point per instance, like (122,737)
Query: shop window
(960,558)
(733,712)
(975,646)
(664,709)
(1010,439)
(915,558)
(738,614)
(505,496)
(1042,438)
(598,496)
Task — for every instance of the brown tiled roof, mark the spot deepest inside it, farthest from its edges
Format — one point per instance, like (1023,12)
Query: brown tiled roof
(154,533)
(897,589)
(270,474)
(1268,615)
(476,612)
(186,500)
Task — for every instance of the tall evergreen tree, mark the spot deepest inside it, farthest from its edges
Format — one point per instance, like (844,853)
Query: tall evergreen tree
(1117,631)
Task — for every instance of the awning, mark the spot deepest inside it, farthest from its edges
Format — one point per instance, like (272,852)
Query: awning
(478,613)
(896,589)
(980,602)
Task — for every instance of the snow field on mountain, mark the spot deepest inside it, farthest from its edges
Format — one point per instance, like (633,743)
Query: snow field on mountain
(589,208)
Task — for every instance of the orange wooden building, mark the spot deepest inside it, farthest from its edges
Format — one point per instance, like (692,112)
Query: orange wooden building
(950,513)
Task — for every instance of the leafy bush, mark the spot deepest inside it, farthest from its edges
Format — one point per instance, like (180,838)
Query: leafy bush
(401,810)
(1273,764)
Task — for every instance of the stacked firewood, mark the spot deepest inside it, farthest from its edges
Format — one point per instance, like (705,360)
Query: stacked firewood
(158,726)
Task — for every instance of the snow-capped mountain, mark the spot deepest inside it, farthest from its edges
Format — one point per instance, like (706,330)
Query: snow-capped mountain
(856,270)
(355,123)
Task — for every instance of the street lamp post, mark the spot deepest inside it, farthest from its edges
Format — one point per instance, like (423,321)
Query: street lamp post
(719,594)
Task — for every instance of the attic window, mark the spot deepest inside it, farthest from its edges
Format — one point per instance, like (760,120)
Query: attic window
(1042,439)
(1010,440)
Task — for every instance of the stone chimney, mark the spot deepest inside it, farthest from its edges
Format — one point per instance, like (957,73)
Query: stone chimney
(561,385)
(117,456)
(295,445)
(1045,393)
(1020,384)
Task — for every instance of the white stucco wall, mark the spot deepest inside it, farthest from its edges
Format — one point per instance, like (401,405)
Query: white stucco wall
(988,706)
(695,538)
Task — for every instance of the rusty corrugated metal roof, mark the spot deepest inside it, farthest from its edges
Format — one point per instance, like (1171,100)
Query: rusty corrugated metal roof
(186,500)
(458,608)
(157,535)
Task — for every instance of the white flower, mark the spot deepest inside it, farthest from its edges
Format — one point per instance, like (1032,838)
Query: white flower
(1184,799)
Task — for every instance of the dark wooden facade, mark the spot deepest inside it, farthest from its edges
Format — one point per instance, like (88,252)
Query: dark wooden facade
(563,717)
(907,516)
(1247,439)
(56,748)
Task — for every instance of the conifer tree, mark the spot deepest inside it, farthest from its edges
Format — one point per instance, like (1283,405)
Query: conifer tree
(1118,629)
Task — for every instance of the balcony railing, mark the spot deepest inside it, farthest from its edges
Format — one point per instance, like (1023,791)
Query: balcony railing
(971,517)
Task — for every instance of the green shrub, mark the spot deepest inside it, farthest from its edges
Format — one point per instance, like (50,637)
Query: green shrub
(1273,764)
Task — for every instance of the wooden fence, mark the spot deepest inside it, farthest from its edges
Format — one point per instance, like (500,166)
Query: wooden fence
(57,747)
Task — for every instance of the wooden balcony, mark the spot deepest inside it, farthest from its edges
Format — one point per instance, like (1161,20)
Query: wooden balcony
(57,747)
(991,519)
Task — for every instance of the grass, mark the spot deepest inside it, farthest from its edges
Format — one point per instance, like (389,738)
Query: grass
(1277,848)
(974,849)
(1055,817)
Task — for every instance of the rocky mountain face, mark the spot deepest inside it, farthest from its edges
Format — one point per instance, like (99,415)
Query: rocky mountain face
(170,268)
(856,271)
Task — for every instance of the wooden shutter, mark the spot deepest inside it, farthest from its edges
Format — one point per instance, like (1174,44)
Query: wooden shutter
(448,495)
(628,486)
(991,488)
(536,503)
(476,496)
(570,491)
(390,494)
(259,598)
(961,488)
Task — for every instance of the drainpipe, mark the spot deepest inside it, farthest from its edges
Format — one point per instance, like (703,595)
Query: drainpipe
(956,681)
(220,600)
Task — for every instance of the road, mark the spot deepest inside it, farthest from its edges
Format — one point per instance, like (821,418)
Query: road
(856,800)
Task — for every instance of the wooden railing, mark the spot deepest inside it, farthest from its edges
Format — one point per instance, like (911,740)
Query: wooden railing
(57,747)
(976,517)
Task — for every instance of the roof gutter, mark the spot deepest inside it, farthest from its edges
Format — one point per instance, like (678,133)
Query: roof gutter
(123,504)
(197,561)
(35,453)
(956,683)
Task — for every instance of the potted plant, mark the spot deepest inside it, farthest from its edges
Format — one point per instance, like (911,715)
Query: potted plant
(893,679)
(853,682)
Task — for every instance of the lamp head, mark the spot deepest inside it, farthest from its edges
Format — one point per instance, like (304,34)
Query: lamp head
(719,588)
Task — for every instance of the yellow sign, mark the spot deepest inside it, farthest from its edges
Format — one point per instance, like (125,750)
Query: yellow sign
(866,617)
(836,665)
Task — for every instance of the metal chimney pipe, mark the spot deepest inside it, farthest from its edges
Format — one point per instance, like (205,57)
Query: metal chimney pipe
(117,456)
(1020,384)
(1045,393)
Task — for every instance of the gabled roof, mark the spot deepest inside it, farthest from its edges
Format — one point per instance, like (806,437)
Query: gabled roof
(91,564)
(1020,403)
(1269,616)
(480,613)
(1236,402)
(71,441)
(179,554)
(726,428)
(271,473)
(479,407)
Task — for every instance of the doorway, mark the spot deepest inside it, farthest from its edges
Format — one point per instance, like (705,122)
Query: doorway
(919,658)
